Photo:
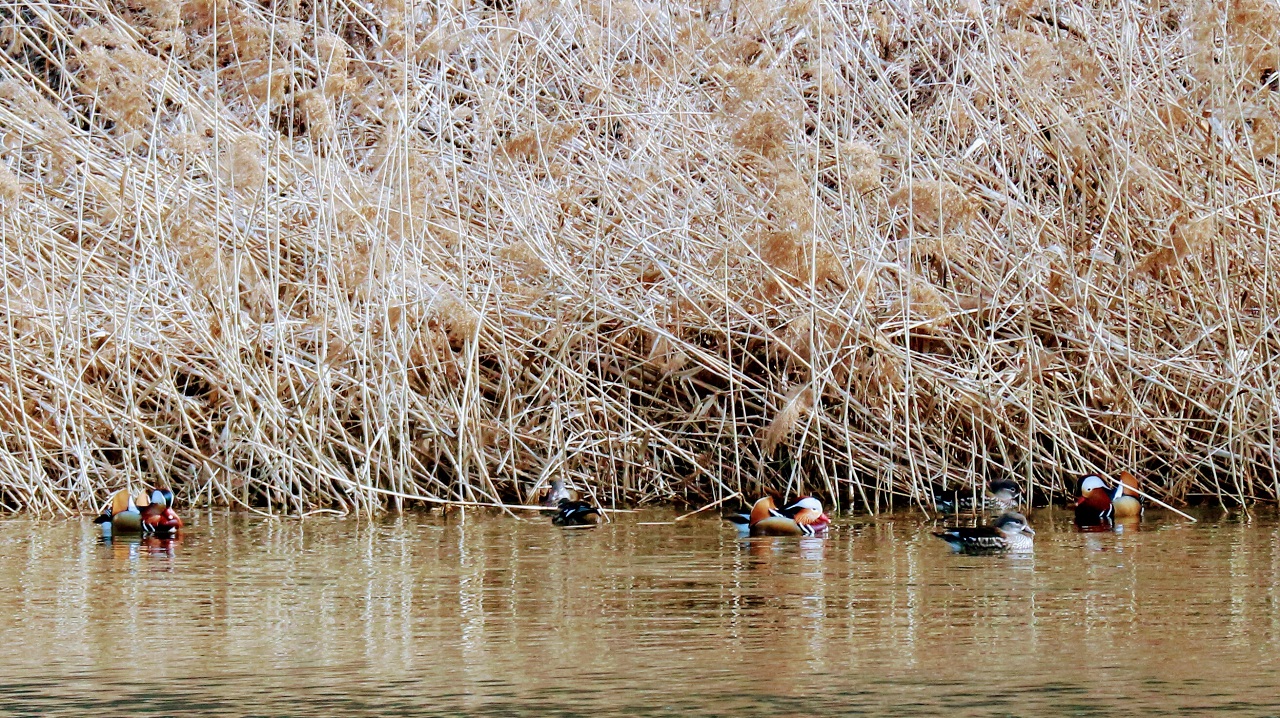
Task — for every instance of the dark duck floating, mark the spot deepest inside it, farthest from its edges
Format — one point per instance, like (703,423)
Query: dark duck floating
(576,513)
(1000,495)
(1008,534)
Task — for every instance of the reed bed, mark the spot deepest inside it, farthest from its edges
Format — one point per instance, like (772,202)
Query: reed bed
(361,255)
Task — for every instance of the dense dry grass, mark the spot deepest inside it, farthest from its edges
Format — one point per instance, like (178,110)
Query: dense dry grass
(302,255)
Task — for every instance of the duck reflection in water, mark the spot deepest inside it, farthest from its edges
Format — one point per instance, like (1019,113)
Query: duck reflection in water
(130,546)
(809,549)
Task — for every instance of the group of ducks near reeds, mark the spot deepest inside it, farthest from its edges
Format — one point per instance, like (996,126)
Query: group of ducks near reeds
(150,513)
(1098,503)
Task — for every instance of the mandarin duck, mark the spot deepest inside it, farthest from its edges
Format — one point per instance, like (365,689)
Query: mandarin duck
(802,518)
(576,513)
(1001,495)
(158,516)
(1009,533)
(1096,503)
(557,493)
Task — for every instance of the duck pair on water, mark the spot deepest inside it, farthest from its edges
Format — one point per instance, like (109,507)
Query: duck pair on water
(1097,504)
(1009,533)
(805,517)
(148,514)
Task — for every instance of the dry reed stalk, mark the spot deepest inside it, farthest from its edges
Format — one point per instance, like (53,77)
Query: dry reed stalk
(440,256)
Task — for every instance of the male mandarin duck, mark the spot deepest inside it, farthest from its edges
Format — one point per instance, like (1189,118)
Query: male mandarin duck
(576,513)
(802,518)
(1096,504)
(158,516)
(1008,534)
(121,514)
(1001,495)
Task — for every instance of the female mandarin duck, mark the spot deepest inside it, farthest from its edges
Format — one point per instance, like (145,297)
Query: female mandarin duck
(802,518)
(557,493)
(1008,534)
(576,513)
(1096,503)
(1001,495)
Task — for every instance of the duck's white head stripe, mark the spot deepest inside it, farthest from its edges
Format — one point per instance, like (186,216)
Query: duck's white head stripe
(810,503)
(1091,482)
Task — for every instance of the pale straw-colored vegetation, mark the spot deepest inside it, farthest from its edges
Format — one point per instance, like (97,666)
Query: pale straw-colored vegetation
(340,254)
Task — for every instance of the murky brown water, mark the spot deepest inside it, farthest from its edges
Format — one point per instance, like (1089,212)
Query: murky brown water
(486,615)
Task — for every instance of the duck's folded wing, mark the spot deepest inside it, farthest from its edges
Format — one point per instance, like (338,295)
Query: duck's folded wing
(776,526)
(981,537)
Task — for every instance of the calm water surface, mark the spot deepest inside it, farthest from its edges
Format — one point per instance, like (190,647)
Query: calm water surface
(483,614)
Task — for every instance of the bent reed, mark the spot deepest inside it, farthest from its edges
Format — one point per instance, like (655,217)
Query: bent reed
(354,256)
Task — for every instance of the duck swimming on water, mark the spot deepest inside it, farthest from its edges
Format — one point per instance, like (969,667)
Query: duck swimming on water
(158,516)
(805,517)
(1001,495)
(576,513)
(1010,533)
(1095,505)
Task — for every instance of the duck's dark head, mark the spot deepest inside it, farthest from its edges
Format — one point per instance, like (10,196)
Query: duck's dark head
(1005,491)
(158,499)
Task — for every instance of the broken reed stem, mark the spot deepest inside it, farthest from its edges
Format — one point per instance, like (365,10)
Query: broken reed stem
(663,252)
